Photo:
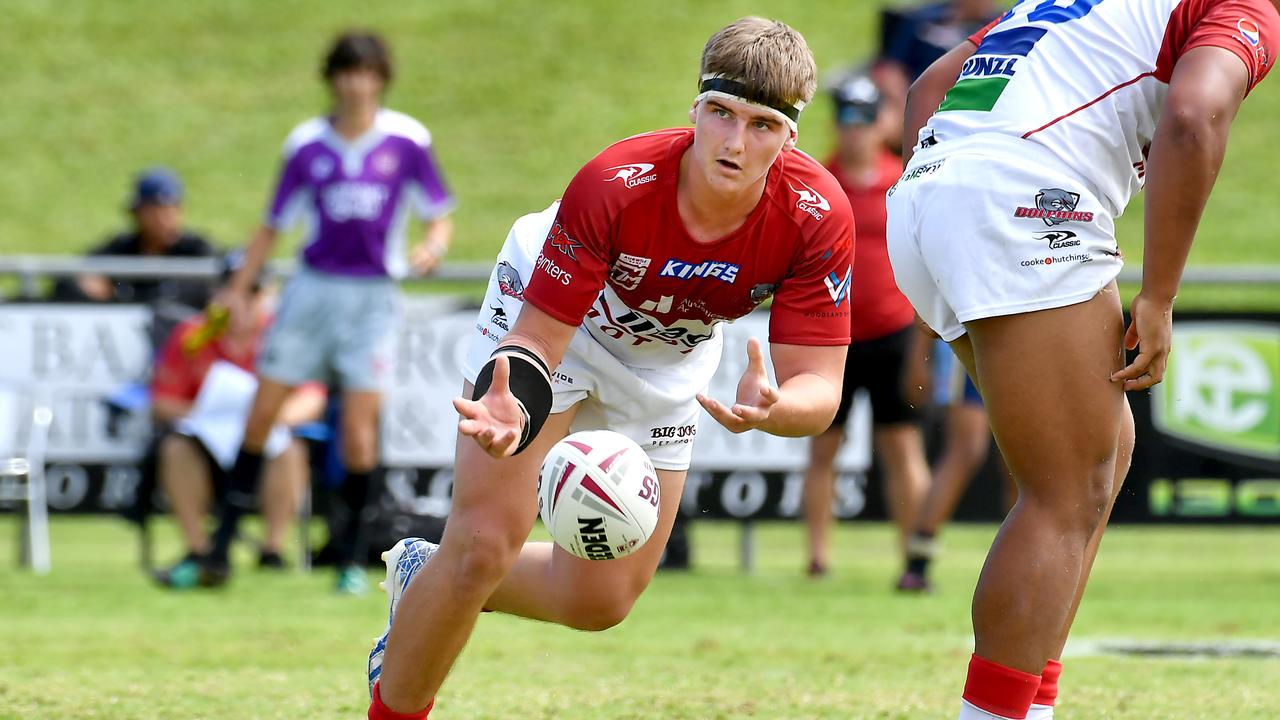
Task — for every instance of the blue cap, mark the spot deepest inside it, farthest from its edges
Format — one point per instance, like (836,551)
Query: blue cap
(156,186)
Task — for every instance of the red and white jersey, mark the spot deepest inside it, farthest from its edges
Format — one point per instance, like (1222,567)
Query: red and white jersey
(619,261)
(1087,79)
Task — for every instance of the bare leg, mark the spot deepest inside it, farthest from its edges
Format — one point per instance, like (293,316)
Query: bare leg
(243,480)
(968,438)
(267,402)
(184,474)
(360,410)
(285,478)
(547,583)
(901,450)
(1091,552)
(494,506)
(819,493)
(1058,420)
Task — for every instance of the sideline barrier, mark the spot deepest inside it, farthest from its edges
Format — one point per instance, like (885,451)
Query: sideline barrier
(1208,438)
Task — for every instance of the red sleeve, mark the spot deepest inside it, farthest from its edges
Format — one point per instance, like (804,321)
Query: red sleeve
(170,378)
(568,274)
(1247,28)
(978,37)
(811,306)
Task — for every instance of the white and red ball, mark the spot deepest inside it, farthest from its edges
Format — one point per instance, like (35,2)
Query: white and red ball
(598,495)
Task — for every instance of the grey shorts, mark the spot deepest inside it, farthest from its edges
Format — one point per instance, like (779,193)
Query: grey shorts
(331,328)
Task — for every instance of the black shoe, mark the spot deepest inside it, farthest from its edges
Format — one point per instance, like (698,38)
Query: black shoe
(271,560)
(214,573)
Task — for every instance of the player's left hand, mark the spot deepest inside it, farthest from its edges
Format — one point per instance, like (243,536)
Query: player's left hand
(756,396)
(425,257)
(1151,332)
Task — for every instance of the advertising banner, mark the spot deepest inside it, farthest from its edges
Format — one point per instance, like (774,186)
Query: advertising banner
(1208,437)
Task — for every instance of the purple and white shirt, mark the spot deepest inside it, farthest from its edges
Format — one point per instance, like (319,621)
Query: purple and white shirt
(354,196)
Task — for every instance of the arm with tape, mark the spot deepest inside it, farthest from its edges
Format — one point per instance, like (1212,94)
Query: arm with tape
(529,382)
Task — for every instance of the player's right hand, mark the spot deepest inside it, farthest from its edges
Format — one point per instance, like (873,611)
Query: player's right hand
(494,421)
(1151,332)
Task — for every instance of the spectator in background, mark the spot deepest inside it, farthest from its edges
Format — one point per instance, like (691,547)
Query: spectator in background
(156,209)
(188,467)
(882,329)
(354,174)
(912,39)
(966,443)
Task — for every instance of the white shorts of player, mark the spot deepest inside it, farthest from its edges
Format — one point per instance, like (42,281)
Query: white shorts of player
(994,225)
(656,407)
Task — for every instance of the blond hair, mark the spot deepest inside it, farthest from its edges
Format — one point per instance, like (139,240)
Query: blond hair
(768,56)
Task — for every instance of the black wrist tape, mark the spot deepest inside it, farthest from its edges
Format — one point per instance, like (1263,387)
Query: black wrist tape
(530,383)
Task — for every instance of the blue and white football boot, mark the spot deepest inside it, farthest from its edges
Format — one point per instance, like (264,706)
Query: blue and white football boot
(404,560)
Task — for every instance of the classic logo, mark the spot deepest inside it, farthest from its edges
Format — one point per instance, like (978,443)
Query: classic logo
(632,174)
(499,317)
(509,283)
(838,289)
(1059,239)
(628,271)
(1222,387)
(810,200)
(727,272)
(560,240)
(1055,206)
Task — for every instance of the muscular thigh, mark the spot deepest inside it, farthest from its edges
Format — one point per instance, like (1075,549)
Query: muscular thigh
(1045,377)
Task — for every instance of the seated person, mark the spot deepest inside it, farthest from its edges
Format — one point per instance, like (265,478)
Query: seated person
(156,210)
(201,393)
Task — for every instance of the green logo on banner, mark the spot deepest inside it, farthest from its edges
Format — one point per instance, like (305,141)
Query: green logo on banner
(1222,387)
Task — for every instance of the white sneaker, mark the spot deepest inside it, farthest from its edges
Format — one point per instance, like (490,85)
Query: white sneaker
(404,560)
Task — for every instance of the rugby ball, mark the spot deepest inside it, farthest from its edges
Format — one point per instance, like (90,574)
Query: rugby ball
(598,495)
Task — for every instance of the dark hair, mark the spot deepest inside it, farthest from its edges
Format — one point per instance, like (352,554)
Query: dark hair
(356,50)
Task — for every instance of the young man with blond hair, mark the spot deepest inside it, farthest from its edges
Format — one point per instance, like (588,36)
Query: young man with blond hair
(617,293)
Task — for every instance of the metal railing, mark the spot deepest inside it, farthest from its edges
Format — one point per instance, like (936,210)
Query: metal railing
(30,268)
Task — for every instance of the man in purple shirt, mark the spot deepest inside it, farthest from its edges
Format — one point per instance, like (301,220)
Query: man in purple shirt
(351,179)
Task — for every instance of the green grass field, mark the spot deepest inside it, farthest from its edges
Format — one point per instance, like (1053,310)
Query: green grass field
(94,640)
(517,93)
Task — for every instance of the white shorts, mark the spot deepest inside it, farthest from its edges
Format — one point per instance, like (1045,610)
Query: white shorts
(656,407)
(992,225)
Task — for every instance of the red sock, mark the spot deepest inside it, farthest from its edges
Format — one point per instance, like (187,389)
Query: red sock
(378,711)
(1048,692)
(999,690)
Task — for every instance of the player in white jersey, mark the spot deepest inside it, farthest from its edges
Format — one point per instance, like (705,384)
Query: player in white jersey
(1029,140)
